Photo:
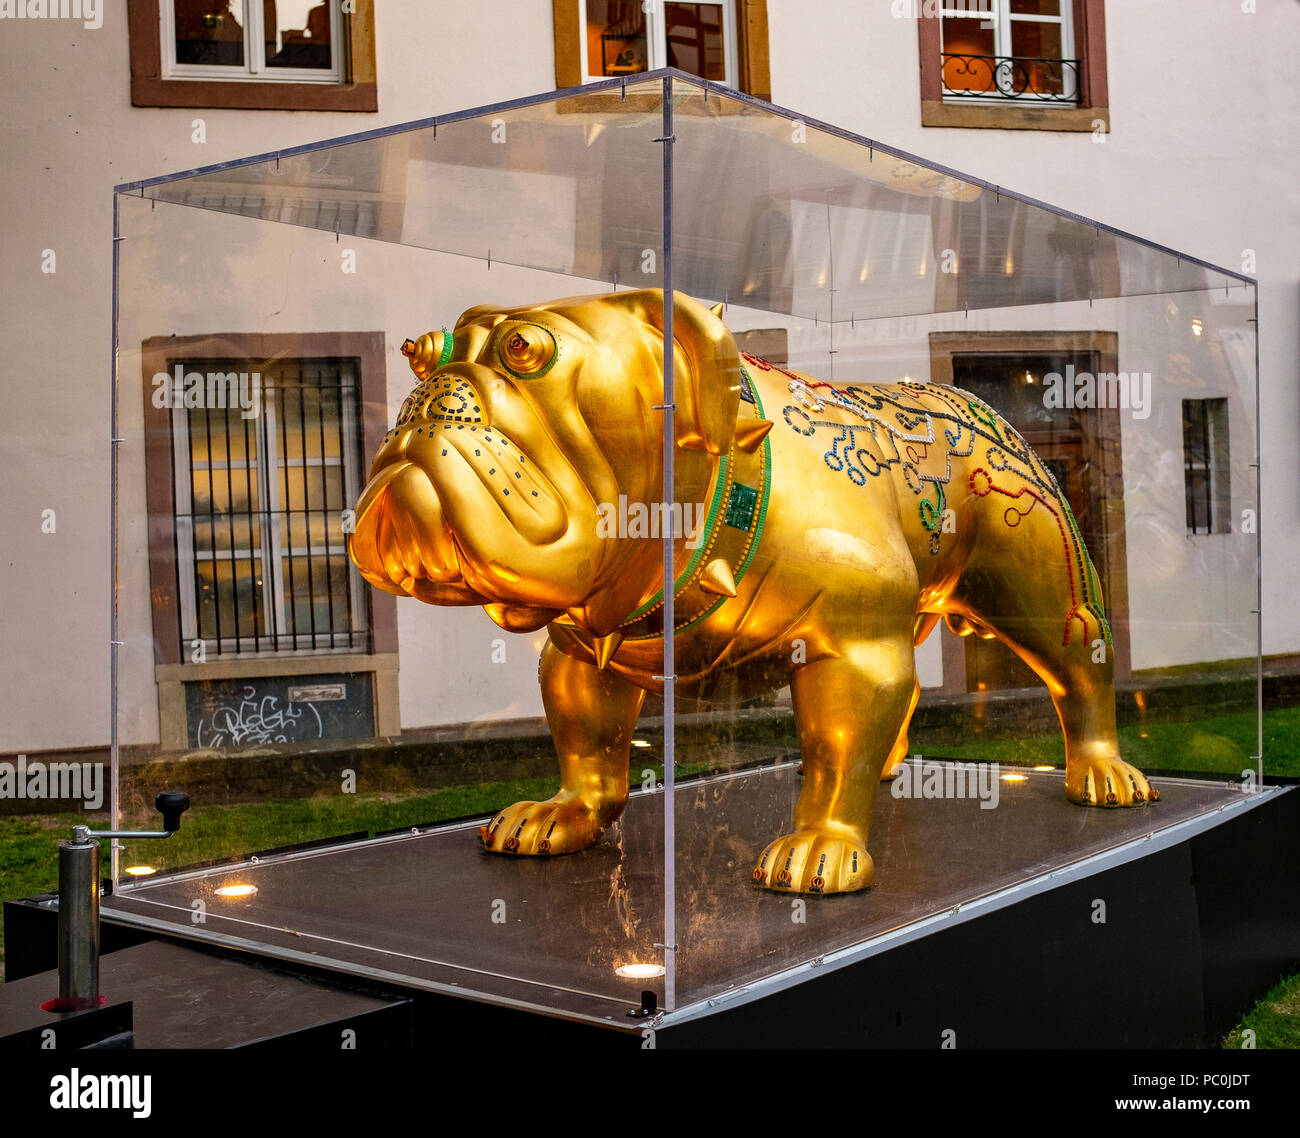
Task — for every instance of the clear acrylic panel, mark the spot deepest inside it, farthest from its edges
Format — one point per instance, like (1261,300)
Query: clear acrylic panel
(307,430)
(1007,493)
(914,418)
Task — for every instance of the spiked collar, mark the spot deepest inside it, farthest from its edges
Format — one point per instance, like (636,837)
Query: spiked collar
(731,531)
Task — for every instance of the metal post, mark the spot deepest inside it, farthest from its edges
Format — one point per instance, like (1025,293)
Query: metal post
(670,573)
(79,923)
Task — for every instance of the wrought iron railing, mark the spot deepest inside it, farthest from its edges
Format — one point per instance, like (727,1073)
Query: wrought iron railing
(1011,77)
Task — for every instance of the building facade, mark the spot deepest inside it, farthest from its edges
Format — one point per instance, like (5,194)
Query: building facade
(1171,120)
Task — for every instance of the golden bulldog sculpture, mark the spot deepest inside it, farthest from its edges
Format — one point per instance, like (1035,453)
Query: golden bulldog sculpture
(820,561)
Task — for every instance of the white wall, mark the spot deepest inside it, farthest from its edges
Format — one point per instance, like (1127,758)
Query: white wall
(68,136)
(1201,157)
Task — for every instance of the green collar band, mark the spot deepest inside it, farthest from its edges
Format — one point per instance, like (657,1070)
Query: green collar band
(736,505)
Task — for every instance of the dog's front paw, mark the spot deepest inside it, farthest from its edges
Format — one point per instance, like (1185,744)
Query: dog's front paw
(1107,782)
(824,860)
(556,826)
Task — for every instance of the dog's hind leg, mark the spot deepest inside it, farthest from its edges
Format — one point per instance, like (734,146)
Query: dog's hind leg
(1031,586)
(924,625)
(592,715)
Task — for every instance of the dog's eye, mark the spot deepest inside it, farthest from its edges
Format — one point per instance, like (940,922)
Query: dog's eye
(527,350)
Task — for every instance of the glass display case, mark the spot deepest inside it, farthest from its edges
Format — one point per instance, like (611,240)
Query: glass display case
(922,450)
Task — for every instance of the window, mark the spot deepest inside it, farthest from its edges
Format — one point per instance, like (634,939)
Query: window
(1018,64)
(265,463)
(1009,49)
(724,41)
(1081,447)
(246,488)
(273,40)
(622,37)
(253,54)
(1206,466)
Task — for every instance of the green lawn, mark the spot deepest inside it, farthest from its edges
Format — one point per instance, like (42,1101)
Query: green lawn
(1218,746)
(29,857)
(1275,1020)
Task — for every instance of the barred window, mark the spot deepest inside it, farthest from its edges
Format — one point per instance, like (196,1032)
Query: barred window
(266,466)
(1206,466)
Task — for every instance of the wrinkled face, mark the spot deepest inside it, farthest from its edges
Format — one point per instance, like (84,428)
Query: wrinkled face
(487,489)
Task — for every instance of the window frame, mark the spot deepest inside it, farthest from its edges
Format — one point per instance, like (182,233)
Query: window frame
(255,68)
(166,571)
(657,39)
(1089,113)
(152,86)
(1002,48)
(1104,453)
(173,669)
(749,21)
(263,468)
(1215,467)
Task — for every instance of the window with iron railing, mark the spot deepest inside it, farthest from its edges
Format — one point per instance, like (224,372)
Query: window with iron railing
(999,50)
(266,464)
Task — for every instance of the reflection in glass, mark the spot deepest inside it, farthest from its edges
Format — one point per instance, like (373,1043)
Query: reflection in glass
(695,41)
(616,38)
(209,33)
(298,34)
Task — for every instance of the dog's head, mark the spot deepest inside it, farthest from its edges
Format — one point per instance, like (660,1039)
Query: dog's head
(525,422)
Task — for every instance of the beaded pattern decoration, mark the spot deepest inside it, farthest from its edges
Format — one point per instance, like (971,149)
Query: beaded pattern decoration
(918,430)
(443,399)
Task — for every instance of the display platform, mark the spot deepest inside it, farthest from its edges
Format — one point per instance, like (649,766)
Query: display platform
(180,997)
(418,908)
(1049,926)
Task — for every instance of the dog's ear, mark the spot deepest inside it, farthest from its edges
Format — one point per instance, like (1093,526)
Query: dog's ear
(708,396)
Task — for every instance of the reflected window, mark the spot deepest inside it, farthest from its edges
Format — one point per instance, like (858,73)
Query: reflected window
(625,37)
(1077,440)
(1020,387)
(1206,465)
(267,463)
(263,40)
(1009,49)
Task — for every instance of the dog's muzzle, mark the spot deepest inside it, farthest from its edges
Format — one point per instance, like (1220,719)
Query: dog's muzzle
(442,399)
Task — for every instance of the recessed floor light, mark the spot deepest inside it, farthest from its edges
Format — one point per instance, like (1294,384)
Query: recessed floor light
(639,971)
(236,890)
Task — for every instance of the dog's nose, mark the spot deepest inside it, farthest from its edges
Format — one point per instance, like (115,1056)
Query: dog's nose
(445,399)
(427,354)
